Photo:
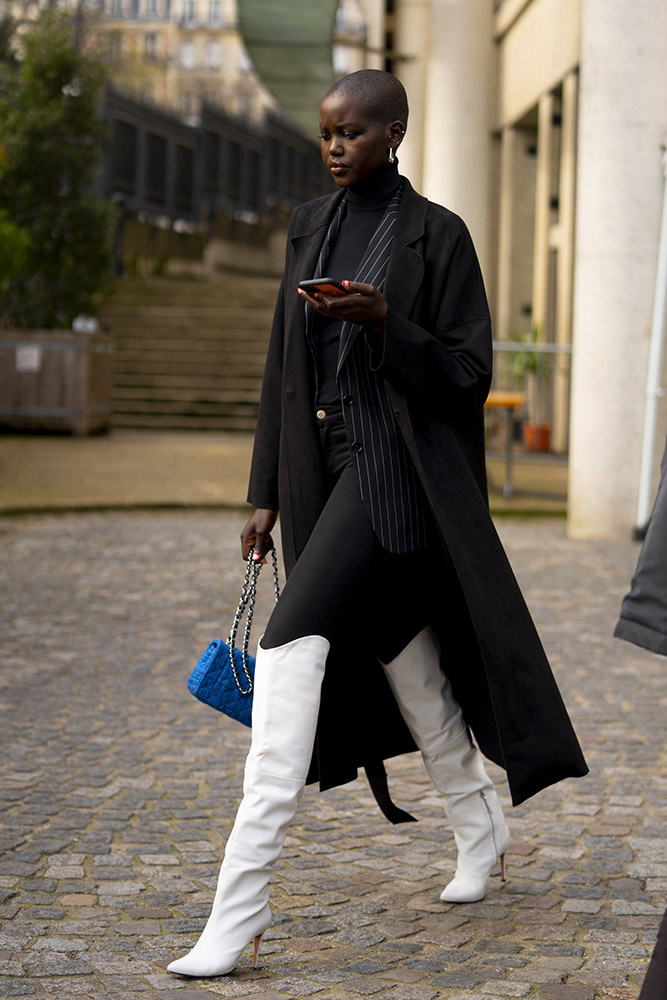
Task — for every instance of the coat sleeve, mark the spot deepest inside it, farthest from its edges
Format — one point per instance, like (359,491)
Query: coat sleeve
(263,484)
(443,360)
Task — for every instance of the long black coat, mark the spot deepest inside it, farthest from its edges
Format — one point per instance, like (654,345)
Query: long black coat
(437,366)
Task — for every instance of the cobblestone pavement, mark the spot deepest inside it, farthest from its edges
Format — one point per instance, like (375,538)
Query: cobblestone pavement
(118,791)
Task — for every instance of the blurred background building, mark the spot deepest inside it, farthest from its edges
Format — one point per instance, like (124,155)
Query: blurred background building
(541,122)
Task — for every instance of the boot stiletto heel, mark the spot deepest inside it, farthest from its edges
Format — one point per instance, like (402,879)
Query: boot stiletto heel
(258,938)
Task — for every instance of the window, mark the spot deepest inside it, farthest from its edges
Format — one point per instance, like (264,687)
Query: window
(213,55)
(211,160)
(124,156)
(233,170)
(189,11)
(116,47)
(215,11)
(245,64)
(150,45)
(134,8)
(188,55)
(151,8)
(116,8)
(156,167)
(184,178)
(252,178)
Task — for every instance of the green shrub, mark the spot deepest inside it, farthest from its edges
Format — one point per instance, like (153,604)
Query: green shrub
(14,245)
(52,137)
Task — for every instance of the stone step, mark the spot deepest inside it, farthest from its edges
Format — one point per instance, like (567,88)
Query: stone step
(186,313)
(170,407)
(184,422)
(215,392)
(144,362)
(202,303)
(179,375)
(190,354)
(222,284)
(228,340)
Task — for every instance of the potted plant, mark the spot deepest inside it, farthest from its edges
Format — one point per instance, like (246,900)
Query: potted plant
(55,235)
(534,369)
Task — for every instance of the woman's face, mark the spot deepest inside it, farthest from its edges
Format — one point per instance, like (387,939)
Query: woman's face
(354,145)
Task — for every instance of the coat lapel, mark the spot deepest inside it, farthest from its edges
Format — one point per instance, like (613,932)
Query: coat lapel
(405,270)
(373,267)
(310,228)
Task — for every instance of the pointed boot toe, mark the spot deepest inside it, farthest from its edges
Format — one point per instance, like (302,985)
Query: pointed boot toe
(199,966)
(210,957)
(464,889)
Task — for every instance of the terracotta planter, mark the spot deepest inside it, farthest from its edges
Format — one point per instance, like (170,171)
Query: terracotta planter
(55,380)
(537,437)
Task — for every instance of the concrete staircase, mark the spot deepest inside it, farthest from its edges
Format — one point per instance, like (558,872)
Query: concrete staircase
(189,354)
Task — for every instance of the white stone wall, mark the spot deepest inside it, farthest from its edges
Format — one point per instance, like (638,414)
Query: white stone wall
(457,118)
(622,121)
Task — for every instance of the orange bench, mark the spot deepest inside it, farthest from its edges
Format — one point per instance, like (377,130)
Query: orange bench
(508,401)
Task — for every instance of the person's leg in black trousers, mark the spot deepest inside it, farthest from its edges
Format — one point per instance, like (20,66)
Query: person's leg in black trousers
(329,581)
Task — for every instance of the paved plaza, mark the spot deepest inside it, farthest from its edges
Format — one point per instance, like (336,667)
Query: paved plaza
(118,791)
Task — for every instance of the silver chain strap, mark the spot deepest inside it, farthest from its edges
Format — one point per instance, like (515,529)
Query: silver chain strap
(247,604)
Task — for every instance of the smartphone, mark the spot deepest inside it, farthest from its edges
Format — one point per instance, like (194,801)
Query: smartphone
(327,286)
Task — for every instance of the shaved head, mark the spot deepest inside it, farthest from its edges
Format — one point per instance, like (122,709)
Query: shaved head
(381,93)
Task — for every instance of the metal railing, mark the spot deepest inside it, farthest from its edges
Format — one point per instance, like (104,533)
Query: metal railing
(539,375)
(158,167)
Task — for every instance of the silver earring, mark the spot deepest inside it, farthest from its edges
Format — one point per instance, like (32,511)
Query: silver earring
(392,154)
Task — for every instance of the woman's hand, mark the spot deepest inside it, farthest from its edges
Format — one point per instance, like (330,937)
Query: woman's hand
(256,533)
(365,305)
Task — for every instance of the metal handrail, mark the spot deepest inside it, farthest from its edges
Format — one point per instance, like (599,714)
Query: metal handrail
(530,347)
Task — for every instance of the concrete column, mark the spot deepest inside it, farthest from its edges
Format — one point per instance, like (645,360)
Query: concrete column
(542,213)
(457,145)
(622,121)
(374,15)
(564,239)
(411,45)
(503,322)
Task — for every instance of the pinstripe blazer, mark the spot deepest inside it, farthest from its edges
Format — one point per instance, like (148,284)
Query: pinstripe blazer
(435,365)
(388,482)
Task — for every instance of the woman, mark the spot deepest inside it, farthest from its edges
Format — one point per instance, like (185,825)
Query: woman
(401,624)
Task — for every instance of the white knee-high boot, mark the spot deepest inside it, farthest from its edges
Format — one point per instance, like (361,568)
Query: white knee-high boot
(286,701)
(454,764)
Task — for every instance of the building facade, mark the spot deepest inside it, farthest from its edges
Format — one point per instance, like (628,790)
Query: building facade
(177,52)
(543,123)
(172,53)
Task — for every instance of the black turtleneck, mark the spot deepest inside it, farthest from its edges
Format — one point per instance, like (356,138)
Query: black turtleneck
(363,207)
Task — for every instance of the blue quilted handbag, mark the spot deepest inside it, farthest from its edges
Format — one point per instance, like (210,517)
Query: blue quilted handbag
(224,675)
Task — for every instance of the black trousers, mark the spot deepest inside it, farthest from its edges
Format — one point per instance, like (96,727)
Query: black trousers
(344,574)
